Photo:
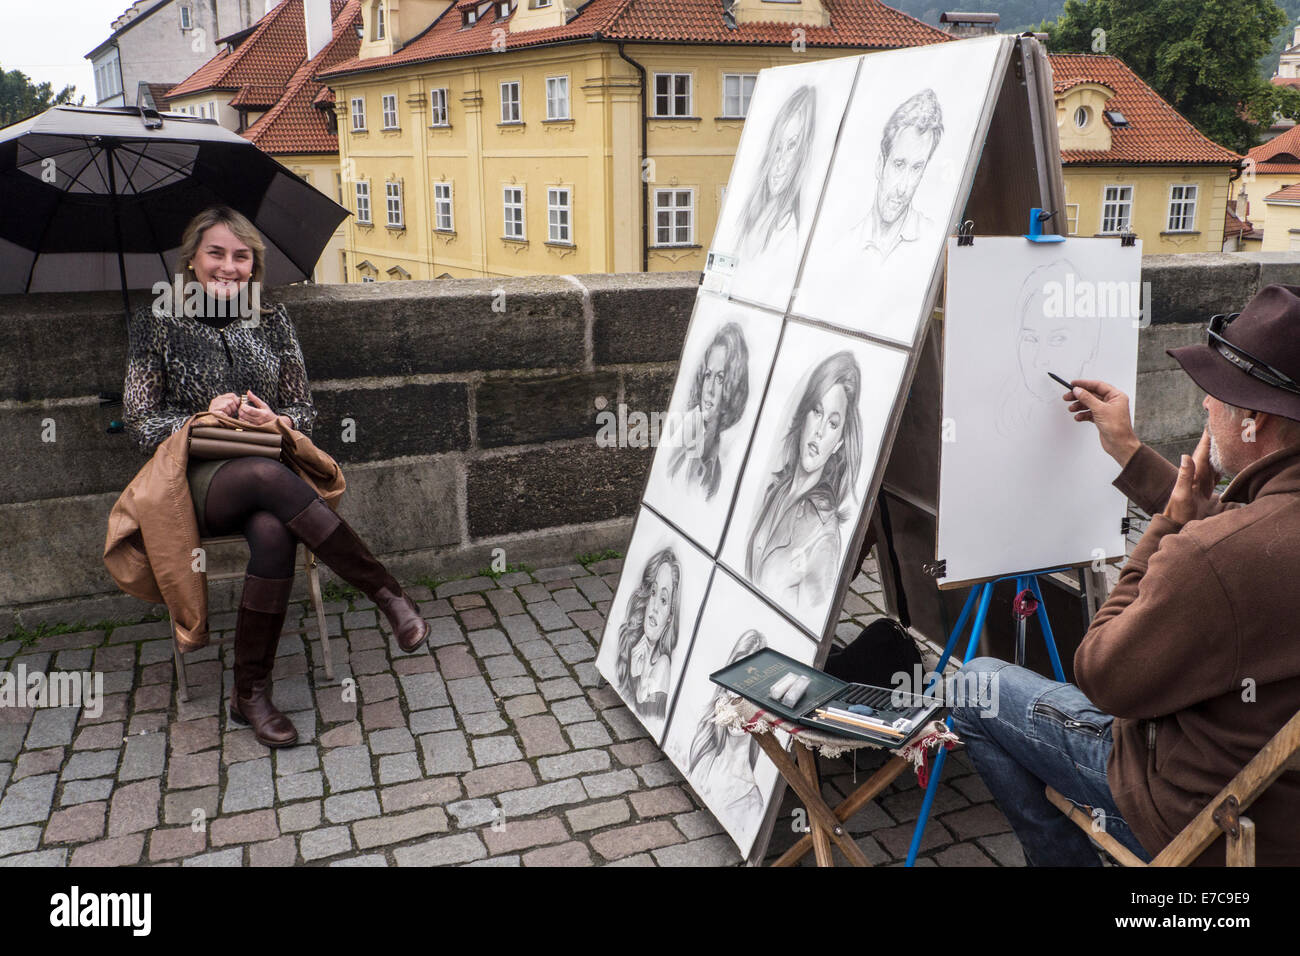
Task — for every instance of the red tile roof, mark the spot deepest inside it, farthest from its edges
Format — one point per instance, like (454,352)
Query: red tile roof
(1285,80)
(251,96)
(1285,194)
(268,57)
(297,123)
(1281,154)
(854,23)
(1157,133)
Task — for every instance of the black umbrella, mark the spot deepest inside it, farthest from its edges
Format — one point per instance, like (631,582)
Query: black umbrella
(98,197)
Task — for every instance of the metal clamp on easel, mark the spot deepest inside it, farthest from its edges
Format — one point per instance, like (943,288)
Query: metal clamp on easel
(1038,216)
(966,233)
(1128,238)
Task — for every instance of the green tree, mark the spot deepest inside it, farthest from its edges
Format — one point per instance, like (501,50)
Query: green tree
(1200,55)
(21,98)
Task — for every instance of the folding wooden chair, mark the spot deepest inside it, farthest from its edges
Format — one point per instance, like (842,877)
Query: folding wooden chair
(313,583)
(1223,814)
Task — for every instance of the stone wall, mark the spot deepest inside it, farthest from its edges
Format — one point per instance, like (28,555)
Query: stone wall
(473,414)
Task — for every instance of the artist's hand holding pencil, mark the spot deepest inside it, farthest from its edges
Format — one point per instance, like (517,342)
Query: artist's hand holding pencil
(1101,403)
(1193,493)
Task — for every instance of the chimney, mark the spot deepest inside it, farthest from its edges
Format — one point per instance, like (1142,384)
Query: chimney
(316,15)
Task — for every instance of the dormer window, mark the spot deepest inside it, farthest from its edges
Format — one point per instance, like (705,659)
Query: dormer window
(471,17)
(379,21)
(1116,118)
(1081,117)
(503,9)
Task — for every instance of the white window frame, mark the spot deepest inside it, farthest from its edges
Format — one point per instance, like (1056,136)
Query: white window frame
(380,26)
(1072,218)
(393,204)
(362,194)
(559,215)
(557,98)
(385,101)
(212,109)
(1186,205)
(741,98)
(511,204)
(358,113)
(515,103)
(438,115)
(1119,202)
(443,208)
(673,96)
(674,227)
(187,17)
(538,4)
(367,278)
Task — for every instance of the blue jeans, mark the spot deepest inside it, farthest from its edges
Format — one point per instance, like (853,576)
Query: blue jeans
(1041,733)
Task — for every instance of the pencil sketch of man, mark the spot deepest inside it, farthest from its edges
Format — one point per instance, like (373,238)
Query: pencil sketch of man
(910,138)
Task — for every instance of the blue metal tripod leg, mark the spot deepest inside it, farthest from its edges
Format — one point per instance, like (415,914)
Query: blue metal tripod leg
(1048,638)
(985,595)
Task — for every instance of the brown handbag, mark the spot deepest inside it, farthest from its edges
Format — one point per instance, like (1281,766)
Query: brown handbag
(207,442)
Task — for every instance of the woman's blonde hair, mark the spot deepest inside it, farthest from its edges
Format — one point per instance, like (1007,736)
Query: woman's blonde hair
(237,223)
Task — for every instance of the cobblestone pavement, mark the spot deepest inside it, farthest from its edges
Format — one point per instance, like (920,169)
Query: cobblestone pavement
(497,744)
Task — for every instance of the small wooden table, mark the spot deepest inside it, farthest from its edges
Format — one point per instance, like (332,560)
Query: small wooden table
(825,824)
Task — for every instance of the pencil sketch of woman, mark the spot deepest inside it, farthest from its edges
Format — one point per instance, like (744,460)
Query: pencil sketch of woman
(794,548)
(719,392)
(1049,338)
(722,759)
(648,636)
(770,223)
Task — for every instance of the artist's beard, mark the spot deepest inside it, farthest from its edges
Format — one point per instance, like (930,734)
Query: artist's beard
(1216,458)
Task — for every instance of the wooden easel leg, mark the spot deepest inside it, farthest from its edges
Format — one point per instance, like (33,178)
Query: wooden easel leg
(821,840)
(1241,851)
(859,798)
(818,812)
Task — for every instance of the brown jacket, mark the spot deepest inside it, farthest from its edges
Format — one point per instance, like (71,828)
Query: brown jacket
(153,534)
(1197,653)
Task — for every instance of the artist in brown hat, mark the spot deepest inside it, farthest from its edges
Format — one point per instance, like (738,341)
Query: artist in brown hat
(1193,663)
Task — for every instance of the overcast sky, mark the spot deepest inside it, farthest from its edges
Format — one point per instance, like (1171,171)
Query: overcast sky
(49,39)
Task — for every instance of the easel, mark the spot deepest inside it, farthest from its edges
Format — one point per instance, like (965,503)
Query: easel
(979,598)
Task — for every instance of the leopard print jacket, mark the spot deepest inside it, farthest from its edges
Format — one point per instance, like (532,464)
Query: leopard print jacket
(177,365)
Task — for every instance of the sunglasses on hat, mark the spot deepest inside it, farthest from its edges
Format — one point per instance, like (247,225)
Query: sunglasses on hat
(1243,359)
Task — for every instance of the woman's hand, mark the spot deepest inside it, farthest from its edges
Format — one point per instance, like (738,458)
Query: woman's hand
(255,411)
(227,404)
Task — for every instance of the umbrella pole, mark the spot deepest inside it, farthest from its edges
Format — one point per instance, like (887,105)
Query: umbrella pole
(117,230)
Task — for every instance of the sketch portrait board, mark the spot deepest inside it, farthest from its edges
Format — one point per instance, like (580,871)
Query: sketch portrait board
(651,620)
(777,178)
(818,438)
(897,185)
(725,362)
(1022,485)
(733,777)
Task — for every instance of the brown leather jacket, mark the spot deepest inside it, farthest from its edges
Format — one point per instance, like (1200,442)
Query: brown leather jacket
(153,534)
(1197,653)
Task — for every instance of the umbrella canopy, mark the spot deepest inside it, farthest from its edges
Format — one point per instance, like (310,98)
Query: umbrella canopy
(94,198)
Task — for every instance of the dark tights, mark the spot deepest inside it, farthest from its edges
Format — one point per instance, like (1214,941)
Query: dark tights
(255,497)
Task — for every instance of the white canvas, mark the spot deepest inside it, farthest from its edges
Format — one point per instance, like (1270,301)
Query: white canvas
(794,518)
(886,213)
(728,770)
(649,626)
(1022,485)
(777,178)
(725,361)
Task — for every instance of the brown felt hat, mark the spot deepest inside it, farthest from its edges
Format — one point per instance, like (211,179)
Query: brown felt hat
(1266,333)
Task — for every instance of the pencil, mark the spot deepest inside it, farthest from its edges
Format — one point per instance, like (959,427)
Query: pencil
(826,715)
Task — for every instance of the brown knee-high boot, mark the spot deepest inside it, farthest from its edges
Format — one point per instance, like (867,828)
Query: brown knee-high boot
(335,543)
(262,609)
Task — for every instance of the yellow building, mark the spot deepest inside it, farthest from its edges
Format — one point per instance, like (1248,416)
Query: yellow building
(1132,162)
(502,138)
(262,83)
